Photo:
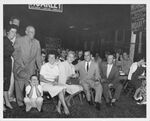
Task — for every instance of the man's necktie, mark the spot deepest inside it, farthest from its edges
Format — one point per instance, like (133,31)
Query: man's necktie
(87,67)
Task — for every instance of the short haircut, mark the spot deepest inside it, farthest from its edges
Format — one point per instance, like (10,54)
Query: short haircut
(125,52)
(33,75)
(43,52)
(71,52)
(51,52)
(30,26)
(139,57)
(12,26)
(87,51)
(110,55)
(14,17)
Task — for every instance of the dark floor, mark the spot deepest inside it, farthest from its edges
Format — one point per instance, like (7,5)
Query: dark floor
(125,108)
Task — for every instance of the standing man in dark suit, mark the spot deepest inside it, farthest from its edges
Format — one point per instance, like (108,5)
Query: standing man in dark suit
(110,78)
(90,78)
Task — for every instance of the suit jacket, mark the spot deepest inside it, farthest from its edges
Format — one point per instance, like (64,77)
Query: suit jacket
(113,76)
(92,74)
(26,57)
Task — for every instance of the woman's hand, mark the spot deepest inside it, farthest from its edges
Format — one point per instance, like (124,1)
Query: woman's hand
(75,75)
(55,83)
(141,77)
(103,80)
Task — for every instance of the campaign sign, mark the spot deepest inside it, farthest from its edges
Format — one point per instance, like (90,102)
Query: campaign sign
(47,7)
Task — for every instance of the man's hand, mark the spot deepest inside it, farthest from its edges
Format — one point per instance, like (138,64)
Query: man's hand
(32,85)
(103,80)
(55,83)
(36,86)
(110,85)
(97,82)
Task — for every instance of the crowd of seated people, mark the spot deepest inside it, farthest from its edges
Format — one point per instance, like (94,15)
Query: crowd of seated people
(57,68)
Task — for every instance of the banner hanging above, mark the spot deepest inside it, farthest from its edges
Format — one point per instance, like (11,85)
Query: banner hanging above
(47,7)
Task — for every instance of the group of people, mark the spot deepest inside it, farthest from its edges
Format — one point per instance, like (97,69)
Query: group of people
(35,71)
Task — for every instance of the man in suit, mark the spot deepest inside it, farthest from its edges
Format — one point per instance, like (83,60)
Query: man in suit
(90,78)
(110,78)
(27,57)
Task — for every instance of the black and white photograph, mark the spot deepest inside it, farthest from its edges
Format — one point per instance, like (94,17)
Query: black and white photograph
(74,61)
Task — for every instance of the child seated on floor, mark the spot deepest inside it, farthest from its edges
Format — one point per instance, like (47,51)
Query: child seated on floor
(34,94)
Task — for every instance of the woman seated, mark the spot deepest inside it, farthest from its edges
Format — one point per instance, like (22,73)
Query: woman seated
(140,93)
(67,72)
(49,75)
(136,71)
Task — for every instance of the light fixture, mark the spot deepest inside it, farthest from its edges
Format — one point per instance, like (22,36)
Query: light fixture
(85,29)
(72,27)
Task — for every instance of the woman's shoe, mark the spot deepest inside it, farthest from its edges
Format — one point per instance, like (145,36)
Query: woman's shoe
(66,111)
(9,107)
(4,108)
(141,103)
(58,109)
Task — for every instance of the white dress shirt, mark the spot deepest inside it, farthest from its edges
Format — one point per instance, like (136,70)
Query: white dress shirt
(109,67)
(132,70)
(86,65)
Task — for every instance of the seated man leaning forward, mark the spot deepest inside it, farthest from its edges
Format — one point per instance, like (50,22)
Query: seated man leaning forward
(49,75)
(90,78)
(67,71)
(34,94)
(110,78)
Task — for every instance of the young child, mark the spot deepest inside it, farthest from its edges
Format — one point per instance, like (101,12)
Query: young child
(34,94)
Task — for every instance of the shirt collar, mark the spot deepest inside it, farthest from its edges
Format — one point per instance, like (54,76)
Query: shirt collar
(88,62)
(110,64)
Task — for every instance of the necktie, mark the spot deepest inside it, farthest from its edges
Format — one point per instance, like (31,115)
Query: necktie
(87,67)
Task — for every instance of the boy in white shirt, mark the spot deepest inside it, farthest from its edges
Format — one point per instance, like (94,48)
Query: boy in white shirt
(34,94)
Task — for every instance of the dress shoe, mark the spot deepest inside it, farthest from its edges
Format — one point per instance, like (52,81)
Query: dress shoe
(22,107)
(9,107)
(113,102)
(108,104)
(98,106)
(90,102)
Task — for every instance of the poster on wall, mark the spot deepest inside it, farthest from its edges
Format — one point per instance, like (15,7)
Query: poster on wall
(53,43)
(138,17)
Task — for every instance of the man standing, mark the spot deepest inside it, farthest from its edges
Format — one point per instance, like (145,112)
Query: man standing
(126,63)
(90,78)
(110,78)
(27,58)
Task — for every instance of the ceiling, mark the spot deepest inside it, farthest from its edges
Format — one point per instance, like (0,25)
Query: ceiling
(76,18)
(94,17)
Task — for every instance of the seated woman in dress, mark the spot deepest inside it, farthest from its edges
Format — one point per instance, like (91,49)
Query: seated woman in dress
(140,93)
(67,71)
(136,71)
(49,75)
